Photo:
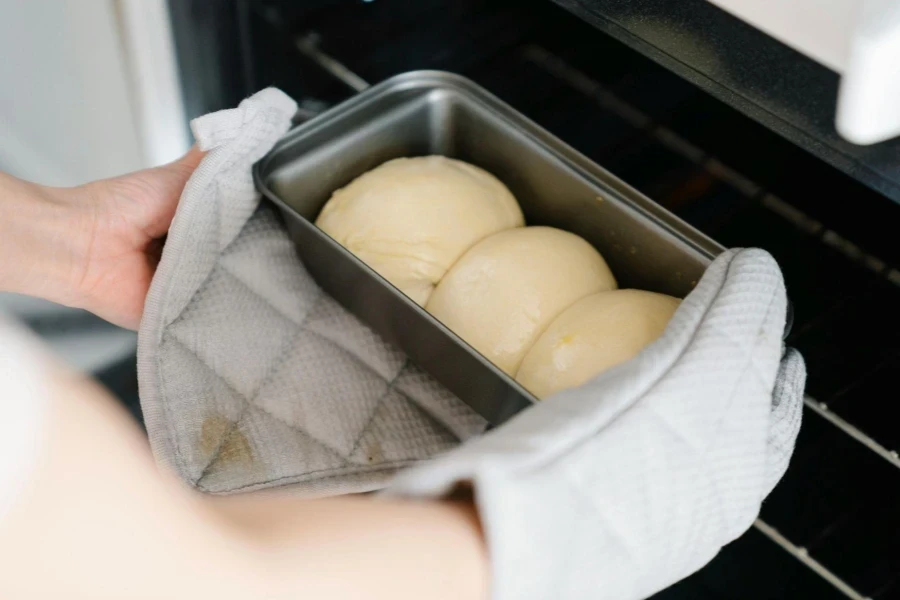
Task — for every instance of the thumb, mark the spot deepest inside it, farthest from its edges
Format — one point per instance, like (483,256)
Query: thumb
(185,166)
(157,191)
(169,179)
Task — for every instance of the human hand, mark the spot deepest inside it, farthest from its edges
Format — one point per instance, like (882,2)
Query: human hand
(94,246)
(623,486)
(125,220)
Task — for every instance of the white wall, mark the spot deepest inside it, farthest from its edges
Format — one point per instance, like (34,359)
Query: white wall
(66,111)
(88,89)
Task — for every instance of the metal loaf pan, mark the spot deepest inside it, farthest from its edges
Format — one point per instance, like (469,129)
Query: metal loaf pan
(428,112)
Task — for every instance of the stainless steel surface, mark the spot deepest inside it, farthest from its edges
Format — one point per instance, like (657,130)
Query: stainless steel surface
(428,112)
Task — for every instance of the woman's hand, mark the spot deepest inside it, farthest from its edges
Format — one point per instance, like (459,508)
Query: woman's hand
(125,220)
(94,246)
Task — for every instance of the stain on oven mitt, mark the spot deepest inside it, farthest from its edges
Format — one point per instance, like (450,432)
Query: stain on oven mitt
(250,376)
(625,485)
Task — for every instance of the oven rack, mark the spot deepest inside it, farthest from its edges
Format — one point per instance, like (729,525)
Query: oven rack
(846,465)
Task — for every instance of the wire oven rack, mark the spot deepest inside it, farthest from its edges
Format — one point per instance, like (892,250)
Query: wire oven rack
(831,529)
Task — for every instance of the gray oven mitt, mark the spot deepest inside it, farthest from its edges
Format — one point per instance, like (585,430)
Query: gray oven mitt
(623,486)
(250,376)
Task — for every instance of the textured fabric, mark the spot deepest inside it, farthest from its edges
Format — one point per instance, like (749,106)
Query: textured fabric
(635,480)
(23,402)
(250,376)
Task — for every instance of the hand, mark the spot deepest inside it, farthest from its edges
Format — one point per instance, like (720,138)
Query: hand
(94,246)
(123,221)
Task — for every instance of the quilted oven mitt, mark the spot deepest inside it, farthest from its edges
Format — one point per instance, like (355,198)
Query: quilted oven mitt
(250,376)
(623,486)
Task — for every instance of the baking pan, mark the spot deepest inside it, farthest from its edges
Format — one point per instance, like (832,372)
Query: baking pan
(430,112)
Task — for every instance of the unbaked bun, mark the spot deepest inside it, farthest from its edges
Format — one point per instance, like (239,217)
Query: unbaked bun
(507,289)
(594,334)
(410,219)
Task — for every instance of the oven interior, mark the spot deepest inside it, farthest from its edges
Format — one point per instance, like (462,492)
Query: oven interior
(831,529)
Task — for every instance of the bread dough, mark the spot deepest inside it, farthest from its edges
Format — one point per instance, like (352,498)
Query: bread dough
(507,289)
(592,335)
(410,219)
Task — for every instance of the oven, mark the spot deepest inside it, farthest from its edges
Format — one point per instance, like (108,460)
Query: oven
(711,119)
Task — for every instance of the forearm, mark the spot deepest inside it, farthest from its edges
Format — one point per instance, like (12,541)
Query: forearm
(42,238)
(99,518)
(359,547)
(96,520)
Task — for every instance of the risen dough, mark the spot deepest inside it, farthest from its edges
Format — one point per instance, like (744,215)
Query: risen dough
(592,335)
(504,291)
(410,219)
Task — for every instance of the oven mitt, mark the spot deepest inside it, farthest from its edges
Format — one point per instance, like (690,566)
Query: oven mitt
(623,486)
(251,377)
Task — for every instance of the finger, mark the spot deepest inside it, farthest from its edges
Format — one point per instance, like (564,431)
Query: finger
(186,165)
(192,158)
(163,186)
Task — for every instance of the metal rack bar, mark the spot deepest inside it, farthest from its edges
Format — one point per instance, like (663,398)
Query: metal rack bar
(803,556)
(308,45)
(821,409)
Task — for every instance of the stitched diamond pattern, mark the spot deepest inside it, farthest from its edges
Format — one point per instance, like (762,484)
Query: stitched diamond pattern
(275,383)
(250,376)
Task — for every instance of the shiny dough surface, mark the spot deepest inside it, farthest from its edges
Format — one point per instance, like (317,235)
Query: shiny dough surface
(594,334)
(410,219)
(507,289)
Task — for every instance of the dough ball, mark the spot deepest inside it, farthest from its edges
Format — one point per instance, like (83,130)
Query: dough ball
(410,219)
(594,334)
(507,289)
